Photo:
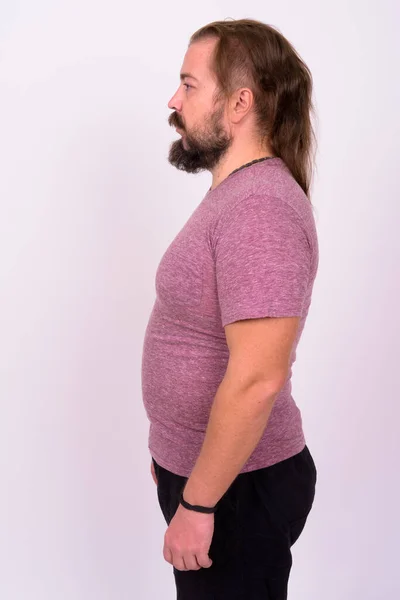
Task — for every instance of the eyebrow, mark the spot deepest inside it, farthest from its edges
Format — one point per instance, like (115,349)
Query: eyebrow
(184,75)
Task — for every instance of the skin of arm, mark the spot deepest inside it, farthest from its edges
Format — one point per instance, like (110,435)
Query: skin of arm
(257,370)
(238,418)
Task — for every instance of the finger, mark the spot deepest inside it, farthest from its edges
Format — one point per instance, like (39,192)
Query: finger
(168,555)
(204,560)
(179,562)
(191,562)
(153,473)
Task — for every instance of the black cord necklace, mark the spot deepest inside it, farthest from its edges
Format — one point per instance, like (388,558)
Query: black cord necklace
(251,163)
(246,165)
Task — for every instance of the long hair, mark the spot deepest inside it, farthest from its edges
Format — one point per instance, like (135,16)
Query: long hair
(252,54)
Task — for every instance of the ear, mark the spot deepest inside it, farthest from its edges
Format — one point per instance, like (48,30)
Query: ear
(241,104)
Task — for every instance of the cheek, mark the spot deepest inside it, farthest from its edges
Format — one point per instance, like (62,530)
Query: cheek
(195,120)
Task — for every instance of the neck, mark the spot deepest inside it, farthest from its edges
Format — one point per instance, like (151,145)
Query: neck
(234,160)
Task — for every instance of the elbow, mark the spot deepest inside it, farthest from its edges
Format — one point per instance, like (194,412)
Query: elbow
(266,392)
(273,385)
(258,391)
(261,395)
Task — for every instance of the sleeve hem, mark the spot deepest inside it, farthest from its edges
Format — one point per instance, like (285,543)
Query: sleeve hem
(262,314)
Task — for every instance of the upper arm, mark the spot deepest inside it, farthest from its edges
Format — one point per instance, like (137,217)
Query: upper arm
(263,263)
(259,350)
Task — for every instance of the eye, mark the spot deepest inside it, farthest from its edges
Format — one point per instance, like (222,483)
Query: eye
(187,85)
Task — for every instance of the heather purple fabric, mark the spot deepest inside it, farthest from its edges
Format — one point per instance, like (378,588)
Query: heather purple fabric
(249,250)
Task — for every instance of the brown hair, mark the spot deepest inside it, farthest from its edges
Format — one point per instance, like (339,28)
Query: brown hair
(252,54)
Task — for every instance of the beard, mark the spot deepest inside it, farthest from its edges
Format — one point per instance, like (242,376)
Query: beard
(199,150)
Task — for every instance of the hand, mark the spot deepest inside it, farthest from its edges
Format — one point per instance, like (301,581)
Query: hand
(188,539)
(154,473)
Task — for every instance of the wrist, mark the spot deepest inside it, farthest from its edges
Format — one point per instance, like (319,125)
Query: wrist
(195,507)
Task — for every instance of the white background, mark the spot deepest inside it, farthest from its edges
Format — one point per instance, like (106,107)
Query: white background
(89,204)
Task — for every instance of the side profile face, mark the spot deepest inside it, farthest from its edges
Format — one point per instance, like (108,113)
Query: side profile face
(202,124)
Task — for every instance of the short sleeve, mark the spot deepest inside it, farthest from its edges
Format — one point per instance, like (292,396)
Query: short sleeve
(262,260)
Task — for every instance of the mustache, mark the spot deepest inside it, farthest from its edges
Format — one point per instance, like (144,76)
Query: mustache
(175,121)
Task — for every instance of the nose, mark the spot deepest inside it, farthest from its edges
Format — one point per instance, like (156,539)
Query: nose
(175,103)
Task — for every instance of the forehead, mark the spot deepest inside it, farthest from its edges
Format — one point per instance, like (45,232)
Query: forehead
(197,60)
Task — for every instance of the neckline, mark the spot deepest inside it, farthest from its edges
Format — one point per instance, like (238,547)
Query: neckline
(252,162)
(257,160)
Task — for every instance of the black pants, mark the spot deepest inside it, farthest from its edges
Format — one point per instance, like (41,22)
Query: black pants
(259,518)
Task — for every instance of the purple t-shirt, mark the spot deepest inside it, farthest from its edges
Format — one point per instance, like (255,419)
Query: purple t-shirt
(249,250)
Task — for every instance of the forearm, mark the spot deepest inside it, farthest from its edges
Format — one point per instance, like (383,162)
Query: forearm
(237,421)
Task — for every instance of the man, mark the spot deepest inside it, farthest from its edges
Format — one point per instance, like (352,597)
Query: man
(235,478)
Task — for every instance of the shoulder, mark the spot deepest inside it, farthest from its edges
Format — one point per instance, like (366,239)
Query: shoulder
(266,185)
